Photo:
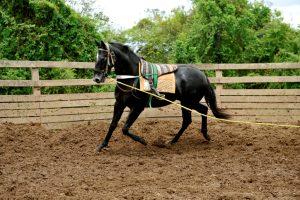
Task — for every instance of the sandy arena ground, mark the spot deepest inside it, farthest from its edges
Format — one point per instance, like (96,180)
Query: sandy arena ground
(241,162)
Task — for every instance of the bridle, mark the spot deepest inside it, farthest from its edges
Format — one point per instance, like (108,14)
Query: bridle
(110,60)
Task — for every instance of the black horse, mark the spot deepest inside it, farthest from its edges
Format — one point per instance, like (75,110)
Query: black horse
(191,86)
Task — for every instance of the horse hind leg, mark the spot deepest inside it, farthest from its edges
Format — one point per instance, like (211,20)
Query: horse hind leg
(186,121)
(203,110)
(133,115)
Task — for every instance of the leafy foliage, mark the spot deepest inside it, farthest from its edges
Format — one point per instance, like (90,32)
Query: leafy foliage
(154,36)
(47,30)
(223,31)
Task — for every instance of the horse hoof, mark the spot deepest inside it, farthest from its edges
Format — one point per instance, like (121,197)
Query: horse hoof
(100,147)
(173,141)
(207,137)
(168,142)
(142,141)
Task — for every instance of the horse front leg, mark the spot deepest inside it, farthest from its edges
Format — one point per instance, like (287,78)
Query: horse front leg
(118,111)
(133,115)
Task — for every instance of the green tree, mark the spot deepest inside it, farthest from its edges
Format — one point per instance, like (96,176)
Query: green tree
(219,31)
(47,30)
(227,31)
(155,36)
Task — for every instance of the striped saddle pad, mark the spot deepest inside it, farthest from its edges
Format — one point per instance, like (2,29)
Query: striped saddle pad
(147,69)
(166,77)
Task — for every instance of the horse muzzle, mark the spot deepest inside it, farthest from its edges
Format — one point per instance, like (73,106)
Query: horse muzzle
(99,78)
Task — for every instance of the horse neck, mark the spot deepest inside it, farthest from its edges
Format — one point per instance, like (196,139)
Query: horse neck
(126,64)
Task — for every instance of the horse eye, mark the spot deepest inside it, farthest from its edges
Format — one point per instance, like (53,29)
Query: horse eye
(101,55)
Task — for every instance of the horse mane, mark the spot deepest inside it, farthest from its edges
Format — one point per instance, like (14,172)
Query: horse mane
(125,49)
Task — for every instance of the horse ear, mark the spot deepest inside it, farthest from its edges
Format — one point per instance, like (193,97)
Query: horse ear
(100,44)
(97,43)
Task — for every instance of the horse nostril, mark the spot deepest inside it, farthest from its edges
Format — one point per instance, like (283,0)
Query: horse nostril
(97,80)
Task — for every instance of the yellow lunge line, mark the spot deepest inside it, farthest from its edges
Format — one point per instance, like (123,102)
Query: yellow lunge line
(208,116)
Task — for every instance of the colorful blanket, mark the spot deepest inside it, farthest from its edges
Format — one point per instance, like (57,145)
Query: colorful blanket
(148,71)
(164,74)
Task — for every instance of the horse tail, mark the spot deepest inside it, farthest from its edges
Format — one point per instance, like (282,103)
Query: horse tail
(211,101)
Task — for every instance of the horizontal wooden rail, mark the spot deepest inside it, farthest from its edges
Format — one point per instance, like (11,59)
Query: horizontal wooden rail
(258,79)
(55,97)
(87,82)
(91,65)
(46,64)
(248,66)
(261,92)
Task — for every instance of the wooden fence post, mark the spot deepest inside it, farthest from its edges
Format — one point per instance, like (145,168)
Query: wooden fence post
(35,77)
(219,86)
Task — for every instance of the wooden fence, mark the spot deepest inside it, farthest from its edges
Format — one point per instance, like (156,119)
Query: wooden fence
(62,110)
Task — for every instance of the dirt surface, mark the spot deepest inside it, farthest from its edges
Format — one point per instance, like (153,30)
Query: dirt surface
(241,162)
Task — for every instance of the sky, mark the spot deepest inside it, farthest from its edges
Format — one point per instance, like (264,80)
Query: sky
(290,10)
(126,13)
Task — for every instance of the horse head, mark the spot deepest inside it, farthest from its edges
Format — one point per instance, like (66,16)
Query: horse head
(117,55)
(104,62)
